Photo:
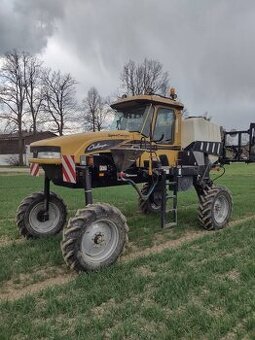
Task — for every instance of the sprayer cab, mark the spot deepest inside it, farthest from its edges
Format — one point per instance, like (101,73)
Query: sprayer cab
(137,119)
(153,116)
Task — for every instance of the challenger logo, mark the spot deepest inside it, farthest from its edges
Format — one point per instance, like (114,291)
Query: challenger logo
(103,145)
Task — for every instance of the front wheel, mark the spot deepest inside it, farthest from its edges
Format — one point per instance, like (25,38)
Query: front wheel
(215,208)
(31,219)
(94,238)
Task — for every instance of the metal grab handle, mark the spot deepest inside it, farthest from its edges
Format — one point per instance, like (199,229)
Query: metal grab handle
(134,185)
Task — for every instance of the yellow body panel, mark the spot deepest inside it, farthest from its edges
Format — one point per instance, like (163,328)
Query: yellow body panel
(76,144)
(53,161)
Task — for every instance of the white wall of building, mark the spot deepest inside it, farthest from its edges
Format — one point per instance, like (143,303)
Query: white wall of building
(8,159)
(11,159)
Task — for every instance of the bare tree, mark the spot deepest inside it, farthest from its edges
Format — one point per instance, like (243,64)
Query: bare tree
(59,99)
(206,116)
(185,112)
(32,68)
(146,77)
(12,94)
(96,110)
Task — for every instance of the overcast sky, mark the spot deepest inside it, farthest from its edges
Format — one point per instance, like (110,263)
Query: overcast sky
(207,46)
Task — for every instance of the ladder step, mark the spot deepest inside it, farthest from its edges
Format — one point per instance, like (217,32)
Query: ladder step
(170,225)
(171,210)
(168,197)
(170,193)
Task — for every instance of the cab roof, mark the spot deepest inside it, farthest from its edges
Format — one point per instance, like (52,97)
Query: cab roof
(126,102)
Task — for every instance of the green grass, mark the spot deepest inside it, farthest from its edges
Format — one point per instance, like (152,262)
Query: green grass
(202,289)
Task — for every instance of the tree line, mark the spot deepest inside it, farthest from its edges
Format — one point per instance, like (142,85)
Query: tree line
(34,97)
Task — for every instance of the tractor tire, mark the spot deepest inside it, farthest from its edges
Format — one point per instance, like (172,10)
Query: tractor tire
(29,218)
(94,238)
(153,203)
(215,208)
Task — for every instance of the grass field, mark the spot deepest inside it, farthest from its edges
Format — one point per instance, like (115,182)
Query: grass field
(178,283)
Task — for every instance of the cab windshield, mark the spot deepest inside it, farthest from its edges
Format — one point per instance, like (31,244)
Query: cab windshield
(133,119)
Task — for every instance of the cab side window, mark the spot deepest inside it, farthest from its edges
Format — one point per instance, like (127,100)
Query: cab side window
(164,128)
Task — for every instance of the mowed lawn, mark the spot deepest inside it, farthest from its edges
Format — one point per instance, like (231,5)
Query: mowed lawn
(189,283)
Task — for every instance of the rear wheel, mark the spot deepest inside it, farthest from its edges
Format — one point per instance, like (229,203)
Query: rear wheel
(153,203)
(31,219)
(94,238)
(215,208)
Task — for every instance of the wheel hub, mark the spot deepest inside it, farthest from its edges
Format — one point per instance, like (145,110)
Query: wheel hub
(156,199)
(99,238)
(221,208)
(43,221)
(99,241)
(43,216)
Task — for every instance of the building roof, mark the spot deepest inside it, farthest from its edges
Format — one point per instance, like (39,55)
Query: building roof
(25,134)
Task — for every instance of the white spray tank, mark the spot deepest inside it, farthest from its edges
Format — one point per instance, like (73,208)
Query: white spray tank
(199,129)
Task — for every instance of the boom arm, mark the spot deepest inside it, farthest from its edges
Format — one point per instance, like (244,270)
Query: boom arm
(239,146)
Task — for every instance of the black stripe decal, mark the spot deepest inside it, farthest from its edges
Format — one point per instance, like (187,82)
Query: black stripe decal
(211,148)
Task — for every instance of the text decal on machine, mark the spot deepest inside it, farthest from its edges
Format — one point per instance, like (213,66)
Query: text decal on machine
(103,145)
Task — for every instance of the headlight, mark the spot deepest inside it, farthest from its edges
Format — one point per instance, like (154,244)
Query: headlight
(48,154)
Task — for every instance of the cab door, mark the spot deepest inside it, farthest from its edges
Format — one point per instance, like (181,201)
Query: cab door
(165,135)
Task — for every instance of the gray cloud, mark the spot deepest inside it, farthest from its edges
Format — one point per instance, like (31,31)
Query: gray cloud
(207,46)
(27,24)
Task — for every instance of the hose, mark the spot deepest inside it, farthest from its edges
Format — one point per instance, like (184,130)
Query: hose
(134,185)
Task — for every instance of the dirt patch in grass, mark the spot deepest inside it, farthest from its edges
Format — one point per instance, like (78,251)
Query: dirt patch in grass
(143,299)
(159,238)
(105,306)
(187,237)
(233,275)
(144,271)
(242,220)
(190,236)
(5,241)
(34,282)
(148,329)
(38,275)
(215,311)
(233,333)
(15,294)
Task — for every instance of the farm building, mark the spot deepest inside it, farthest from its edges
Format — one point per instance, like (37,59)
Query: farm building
(9,145)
